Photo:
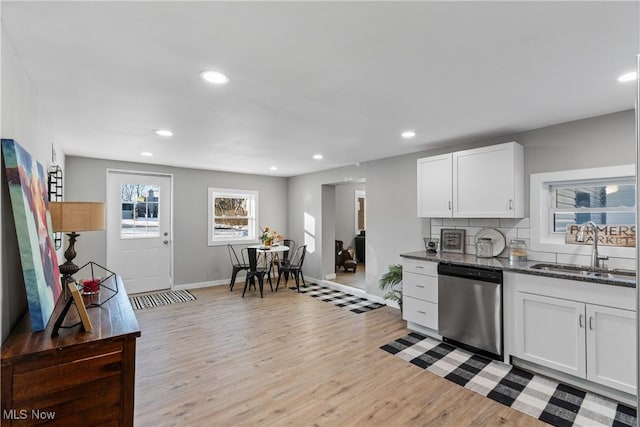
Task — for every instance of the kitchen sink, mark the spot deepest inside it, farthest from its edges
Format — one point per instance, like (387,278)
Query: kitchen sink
(587,271)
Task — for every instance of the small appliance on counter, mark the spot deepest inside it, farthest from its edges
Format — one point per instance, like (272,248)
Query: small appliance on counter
(517,250)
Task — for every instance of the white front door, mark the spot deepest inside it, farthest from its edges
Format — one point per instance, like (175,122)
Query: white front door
(139,229)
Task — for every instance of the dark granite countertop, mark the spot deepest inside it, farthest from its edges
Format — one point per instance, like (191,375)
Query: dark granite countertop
(518,267)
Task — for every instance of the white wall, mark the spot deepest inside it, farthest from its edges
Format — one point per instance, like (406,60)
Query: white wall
(23,122)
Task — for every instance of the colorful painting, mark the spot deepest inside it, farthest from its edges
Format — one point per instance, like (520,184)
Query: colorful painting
(30,205)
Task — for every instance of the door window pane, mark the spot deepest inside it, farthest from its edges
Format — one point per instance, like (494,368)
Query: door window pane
(139,211)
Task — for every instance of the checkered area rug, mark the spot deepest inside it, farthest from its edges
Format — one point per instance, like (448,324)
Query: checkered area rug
(540,397)
(341,299)
(158,299)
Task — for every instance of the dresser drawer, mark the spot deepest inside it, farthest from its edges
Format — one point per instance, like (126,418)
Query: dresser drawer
(420,267)
(423,313)
(420,286)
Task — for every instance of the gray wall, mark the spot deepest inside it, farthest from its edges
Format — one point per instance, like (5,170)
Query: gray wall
(392,224)
(345,212)
(194,261)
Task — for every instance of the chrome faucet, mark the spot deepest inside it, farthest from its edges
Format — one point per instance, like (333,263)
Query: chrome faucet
(595,257)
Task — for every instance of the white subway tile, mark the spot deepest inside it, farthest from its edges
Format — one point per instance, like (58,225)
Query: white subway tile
(472,231)
(484,222)
(523,233)
(541,256)
(508,222)
(523,223)
(470,249)
(626,263)
(436,221)
(574,259)
(448,222)
(461,222)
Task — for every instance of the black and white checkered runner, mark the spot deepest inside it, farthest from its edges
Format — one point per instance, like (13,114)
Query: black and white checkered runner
(535,395)
(341,299)
(162,298)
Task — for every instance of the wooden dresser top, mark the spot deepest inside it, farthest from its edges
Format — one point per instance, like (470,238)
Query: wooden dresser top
(114,319)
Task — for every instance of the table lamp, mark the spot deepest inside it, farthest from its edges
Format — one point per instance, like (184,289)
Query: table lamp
(71,217)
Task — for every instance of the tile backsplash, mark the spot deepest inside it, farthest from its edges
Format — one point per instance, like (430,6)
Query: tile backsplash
(515,229)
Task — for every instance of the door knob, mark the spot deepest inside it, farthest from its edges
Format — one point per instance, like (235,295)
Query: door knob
(166,242)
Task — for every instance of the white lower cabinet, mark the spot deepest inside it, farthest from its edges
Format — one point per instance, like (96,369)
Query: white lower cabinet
(420,293)
(551,332)
(421,312)
(611,347)
(589,341)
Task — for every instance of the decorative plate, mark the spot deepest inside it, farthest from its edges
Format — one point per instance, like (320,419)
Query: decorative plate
(497,239)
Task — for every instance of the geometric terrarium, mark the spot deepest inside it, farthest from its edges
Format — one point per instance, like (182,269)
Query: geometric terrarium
(96,283)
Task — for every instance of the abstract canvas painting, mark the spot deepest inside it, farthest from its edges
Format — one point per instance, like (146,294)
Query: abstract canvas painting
(30,206)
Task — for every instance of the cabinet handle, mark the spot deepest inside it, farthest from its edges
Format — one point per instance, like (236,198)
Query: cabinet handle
(580,321)
(422,312)
(510,204)
(419,267)
(449,204)
(419,286)
(591,322)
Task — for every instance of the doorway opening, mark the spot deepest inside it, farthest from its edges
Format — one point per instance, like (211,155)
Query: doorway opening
(350,235)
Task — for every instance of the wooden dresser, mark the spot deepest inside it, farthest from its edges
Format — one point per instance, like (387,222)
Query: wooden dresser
(77,378)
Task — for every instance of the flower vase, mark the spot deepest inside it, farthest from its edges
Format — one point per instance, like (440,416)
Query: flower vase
(267,243)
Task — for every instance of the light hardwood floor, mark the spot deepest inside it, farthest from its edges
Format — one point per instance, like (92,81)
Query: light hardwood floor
(289,359)
(349,278)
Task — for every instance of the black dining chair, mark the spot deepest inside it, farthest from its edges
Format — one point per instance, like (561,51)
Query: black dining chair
(285,258)
(237,263)
(294,267)
(256,272)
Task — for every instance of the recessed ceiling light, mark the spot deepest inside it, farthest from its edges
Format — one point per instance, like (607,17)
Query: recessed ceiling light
(214,77)
(164,132)
(408,134)
(628,77)
(146,154)
(317,156)
(273,168)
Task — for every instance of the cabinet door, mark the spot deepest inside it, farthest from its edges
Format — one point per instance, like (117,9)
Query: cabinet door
(551,332)
(611,349)
(434,186)
(423,313)
(483,182)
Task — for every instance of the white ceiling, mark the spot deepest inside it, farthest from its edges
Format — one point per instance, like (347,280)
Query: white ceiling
(339,78)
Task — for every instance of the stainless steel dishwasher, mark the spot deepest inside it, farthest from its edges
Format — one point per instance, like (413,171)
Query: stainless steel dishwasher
(470,307)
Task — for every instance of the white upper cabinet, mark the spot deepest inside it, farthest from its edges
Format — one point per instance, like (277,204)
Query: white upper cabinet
(486,182)
(435,180)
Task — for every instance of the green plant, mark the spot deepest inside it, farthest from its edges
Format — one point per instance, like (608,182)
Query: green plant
(388,283)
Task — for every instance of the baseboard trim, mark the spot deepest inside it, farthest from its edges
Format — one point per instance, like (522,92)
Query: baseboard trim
(221,282)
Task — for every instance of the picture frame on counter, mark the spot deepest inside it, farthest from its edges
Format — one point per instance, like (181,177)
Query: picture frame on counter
(452,240)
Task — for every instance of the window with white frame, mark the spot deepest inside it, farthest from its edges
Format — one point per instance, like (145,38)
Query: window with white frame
(605,202)
(232,216)
(605,195)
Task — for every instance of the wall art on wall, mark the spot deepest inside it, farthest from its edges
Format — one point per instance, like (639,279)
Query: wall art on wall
(27,184)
